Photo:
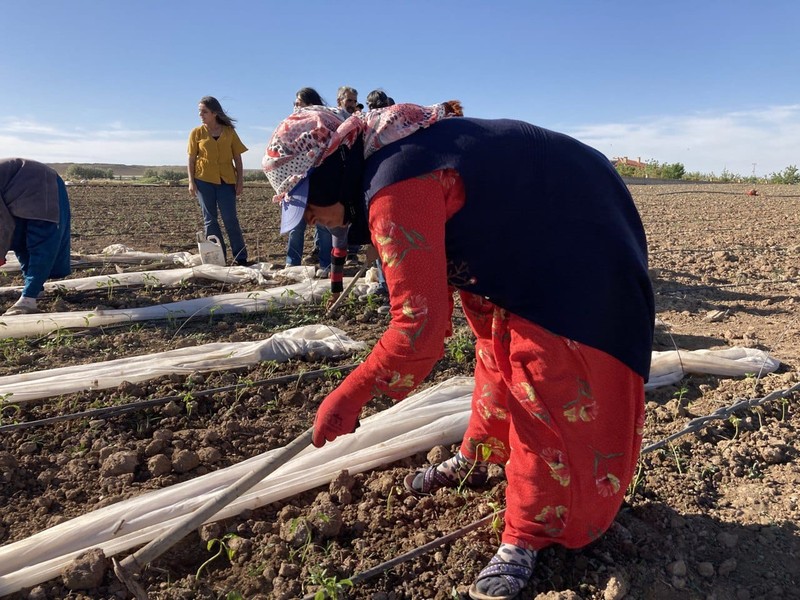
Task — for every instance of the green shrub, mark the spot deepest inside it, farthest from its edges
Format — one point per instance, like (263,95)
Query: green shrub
(789,175)
(87,172)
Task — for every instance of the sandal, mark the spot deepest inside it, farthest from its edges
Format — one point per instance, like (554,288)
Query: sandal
(515,576)
(424,482)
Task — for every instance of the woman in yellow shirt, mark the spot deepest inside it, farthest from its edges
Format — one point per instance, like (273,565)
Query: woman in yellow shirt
(215,174)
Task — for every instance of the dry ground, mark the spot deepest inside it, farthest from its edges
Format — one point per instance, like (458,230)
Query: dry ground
(714,515)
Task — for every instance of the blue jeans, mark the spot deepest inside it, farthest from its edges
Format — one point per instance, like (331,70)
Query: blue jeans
(221,197)
(294,249)
(42,247)
(382,287)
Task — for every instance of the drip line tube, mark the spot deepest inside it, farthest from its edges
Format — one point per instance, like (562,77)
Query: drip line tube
(114,411)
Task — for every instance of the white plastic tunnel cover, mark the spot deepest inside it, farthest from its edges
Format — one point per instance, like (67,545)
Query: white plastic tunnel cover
(438,415)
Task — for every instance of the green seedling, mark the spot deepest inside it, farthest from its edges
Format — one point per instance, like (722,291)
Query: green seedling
(460,347)
(60,290)
(637,479)
(211,312)
(146,422)
(150,281)
(679,394)
(59,337)
(334,375)
(735,421)
(484,452)
(13,348)
(754,471)
(109,285)
(79,449)
(223,548)
(394,490)
(372,302)
(188,403)
(497,520)
(306,545)
(173,316)
(759,410)
(242,386)
(326,297)
(330,587)
(255,297)
(300,374)
(8,411)
(677,458)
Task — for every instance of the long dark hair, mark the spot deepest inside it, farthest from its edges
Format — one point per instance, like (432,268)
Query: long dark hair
(378,99)
(215,107)
(309,97)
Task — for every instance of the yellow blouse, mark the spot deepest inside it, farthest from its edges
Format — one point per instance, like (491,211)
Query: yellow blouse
(214,162)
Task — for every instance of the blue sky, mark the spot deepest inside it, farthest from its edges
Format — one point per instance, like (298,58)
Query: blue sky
(707,83)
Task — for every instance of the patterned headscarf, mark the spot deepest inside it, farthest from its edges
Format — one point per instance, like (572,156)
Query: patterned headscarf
(308,136)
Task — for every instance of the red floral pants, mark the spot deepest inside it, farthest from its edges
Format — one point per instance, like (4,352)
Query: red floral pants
(565,419)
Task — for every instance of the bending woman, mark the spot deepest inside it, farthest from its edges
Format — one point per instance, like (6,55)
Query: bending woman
(542,241)
(35,224)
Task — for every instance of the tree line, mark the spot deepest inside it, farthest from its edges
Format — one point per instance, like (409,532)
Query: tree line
(656,170)
(651,169)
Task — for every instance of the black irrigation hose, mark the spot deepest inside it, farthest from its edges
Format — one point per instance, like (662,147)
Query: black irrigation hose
(114,411)
(411,554)
(768,196)
(724,285)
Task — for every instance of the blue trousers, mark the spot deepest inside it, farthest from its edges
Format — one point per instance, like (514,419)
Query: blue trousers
(220,199)
(42,247)
(294,249)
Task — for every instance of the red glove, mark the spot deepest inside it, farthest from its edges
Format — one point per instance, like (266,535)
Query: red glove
(2,261)
(336,416)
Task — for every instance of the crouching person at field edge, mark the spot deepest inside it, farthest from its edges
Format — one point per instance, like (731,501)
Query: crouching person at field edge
(562,350)
(35,224)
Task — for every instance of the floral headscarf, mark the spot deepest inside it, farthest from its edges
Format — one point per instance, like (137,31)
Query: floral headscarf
(304,139)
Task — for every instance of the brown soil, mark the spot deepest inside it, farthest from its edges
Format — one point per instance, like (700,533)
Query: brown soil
(714,515)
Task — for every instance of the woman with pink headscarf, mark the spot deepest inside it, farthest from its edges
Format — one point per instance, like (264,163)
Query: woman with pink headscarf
(542,241)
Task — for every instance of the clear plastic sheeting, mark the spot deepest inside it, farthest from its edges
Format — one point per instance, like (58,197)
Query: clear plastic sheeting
(309,289)
(124,254)
(259,273)
(436,416)
(670,367)
(157,278)
(117,254)
(320,340)
(244,302)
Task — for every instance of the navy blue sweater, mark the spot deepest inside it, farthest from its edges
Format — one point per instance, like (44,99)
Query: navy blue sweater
(548,230)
